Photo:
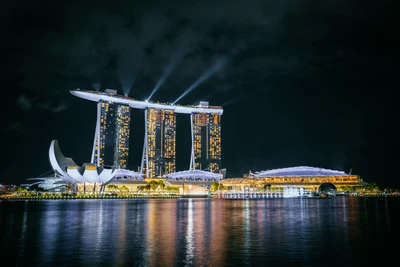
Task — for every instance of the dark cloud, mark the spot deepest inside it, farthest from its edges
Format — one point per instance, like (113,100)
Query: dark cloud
(14,126)
(49,107)
(26,104)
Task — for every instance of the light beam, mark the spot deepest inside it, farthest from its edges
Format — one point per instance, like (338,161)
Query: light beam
(232,101)
(96,86)
(127,84)
(238,48)
(169,69)
(217,66)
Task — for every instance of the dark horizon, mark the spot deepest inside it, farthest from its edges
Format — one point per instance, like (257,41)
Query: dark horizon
(302,83)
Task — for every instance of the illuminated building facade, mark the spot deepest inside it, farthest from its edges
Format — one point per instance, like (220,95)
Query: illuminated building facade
(159,148)
(159,152)
(206,142)
(306,177)
(111,143)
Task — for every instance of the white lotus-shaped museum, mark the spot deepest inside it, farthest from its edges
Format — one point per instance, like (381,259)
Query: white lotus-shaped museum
(71,172)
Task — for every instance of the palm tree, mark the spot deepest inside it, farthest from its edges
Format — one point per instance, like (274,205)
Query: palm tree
(216,186)
(112,187)
(154,184)
(124,187)
(172,188)
(162,185)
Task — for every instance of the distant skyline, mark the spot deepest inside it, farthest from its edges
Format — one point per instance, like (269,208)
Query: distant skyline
(302,83)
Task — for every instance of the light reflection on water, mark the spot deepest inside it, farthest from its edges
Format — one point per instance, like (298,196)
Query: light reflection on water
(199,232)
(189,235)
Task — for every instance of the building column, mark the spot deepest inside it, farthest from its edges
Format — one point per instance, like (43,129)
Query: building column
(192,163)
(145,155)
(96,137)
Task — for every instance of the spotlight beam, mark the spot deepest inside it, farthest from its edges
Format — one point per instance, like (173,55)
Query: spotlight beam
(96,86)
(127,84)
(238,48)
(170,68)
(232,101)
(217,66)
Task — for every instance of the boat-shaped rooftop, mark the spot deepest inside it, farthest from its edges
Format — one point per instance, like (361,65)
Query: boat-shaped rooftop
(111,96)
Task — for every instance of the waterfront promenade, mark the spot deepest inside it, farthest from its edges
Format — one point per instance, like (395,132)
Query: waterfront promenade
(166,195)
(66,196)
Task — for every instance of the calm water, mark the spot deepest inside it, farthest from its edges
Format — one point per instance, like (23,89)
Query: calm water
(339,231)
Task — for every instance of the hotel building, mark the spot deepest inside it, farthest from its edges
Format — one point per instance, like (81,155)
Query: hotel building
(206,142)
(159,152)
(159,149)
(111,142)
(309,178)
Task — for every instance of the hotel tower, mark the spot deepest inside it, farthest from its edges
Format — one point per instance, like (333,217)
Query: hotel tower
(206,141)
(159,150)
(111,142)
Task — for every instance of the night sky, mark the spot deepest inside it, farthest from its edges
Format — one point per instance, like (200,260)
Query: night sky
(302,83)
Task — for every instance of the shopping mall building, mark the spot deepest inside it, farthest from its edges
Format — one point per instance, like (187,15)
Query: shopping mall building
(309,178)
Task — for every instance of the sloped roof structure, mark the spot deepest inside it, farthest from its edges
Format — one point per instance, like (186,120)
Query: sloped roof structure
(299,171)
(133,103)
(194,174)
(127,173)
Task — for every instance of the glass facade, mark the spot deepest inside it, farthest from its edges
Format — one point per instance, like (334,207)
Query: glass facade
(161,142)
(112,143)
(206,130)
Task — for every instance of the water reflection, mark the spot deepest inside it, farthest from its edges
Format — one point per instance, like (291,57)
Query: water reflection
(22,237)
(189,235)
(246,231)
(49,235)
(198,232)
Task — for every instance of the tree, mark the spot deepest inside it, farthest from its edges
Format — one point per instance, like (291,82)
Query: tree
(172,188)
(140,188)
(20,189)
(162,185)
(146,187)
(216,186)
(112,187)
(372,187)
(154,184)
(124,188)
